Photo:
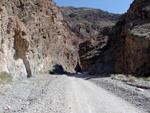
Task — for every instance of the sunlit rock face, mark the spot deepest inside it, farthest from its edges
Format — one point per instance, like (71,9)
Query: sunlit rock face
(34,37)
(132,38)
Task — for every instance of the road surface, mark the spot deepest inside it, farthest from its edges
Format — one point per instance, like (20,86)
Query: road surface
(60,94)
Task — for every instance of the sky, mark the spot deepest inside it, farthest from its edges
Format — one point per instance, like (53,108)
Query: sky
(113,6)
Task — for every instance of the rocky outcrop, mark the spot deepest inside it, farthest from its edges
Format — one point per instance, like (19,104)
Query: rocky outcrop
(132,38)
(93,27)
(95,54)
(34,37)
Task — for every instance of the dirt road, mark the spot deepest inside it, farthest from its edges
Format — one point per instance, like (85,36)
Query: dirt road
(60,94)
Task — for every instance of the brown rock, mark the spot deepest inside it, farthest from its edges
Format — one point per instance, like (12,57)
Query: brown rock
(34,32)
(133,40)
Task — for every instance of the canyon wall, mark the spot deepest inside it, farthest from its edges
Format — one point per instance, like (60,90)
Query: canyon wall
(93,27)
(132,40)
(34,37)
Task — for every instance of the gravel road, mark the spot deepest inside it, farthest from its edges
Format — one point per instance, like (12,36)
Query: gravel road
(138,97)
(60,94)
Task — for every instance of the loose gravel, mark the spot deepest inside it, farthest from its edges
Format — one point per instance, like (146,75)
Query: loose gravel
(139,97)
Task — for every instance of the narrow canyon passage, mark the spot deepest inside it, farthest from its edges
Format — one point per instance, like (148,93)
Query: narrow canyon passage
(60,94)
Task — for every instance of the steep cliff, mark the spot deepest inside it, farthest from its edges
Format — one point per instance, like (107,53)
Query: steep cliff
(34,37)
(93,27)
(132,40)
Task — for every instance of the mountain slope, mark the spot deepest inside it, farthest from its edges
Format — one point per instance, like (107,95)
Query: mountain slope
(93,27)
(88,22)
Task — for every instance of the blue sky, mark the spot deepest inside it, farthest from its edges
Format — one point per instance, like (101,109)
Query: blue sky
(114,6)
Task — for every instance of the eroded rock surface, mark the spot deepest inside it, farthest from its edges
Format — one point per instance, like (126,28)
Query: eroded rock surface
(34,37)
(132,38)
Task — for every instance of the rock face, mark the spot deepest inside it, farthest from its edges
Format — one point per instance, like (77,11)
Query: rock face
(34,37)
(132,38)
(93,28)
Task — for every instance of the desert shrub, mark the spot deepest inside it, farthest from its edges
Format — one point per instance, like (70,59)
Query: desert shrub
(5,77)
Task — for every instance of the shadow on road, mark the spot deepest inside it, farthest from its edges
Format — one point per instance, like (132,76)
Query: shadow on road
(87,76)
